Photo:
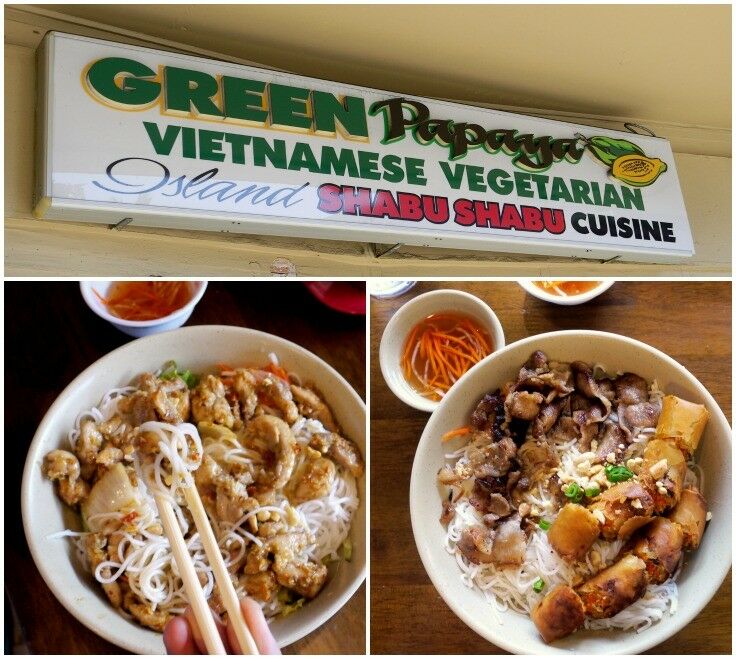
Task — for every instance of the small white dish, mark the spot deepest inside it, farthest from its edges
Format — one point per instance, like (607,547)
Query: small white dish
(398,328)
(198,348)
(139,328)
(704,569)
(582,298)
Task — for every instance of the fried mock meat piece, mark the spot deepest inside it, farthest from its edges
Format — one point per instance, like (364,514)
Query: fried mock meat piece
(169,398)
(548,415)
(273,439)
(539,373)
(588,413)
(612,442)
(209,403)
(96,549)
(63,467)
(634,408)
(537,462)
(311,405)
(341,450)
(573,532)
(224,494)
(503,546)
(489,415)
(276,393)
(300,575)
(312,479)
(589,386)
(559,614)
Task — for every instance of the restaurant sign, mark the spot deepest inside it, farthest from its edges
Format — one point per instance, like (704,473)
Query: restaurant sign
(171,140)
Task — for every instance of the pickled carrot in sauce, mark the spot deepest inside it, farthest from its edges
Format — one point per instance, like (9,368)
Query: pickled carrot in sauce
(146,300)
(565,288)
(440,349)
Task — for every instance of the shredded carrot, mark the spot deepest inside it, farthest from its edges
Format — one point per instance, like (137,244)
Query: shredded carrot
(455,433)
(146,300)
(440,349)
(277,371)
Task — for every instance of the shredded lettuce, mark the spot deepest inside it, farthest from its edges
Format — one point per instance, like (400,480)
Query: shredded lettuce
(347,550)
(290,608)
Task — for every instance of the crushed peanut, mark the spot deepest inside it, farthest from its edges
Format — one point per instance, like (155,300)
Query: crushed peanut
(708,516)
(584,467)
(611,457)
(636,504)
(633,464)
(658,469)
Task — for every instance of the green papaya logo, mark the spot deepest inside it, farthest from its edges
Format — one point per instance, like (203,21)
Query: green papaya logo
(626,161)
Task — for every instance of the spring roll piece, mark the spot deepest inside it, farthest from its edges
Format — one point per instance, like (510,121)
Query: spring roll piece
(660,547)
(690,513)
(624,507)
(683,420)
(665,462)
(559,614)
(613,589)
(573,532)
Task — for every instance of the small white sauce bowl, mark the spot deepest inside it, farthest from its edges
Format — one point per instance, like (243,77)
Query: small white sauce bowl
(582,298)
(403,321)
(139,328)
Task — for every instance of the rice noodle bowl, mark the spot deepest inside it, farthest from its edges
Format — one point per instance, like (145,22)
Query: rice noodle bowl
(145,558)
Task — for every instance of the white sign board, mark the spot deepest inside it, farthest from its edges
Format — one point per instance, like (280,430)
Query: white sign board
(177,141)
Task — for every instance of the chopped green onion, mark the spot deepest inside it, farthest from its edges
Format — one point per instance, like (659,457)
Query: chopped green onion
(170,371)
(618,473)
(573,492)
(538,586)
(592,491)
(544,524)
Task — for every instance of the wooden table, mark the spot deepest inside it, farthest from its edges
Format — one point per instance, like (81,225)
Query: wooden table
(690,321)
(50,336)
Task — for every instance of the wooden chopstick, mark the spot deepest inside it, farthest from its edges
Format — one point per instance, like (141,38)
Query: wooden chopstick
(227,591)
(195,594)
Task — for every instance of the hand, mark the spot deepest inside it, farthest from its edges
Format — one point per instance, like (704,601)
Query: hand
(182,636)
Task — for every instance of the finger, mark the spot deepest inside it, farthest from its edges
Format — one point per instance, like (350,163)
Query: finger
(198,639)
(256,621)
(178,637)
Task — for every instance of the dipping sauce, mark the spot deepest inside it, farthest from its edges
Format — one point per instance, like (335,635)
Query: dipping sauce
(146,300)
(566,288)
(440,349)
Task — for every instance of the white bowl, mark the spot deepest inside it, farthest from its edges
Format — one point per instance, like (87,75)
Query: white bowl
(198,348)
(705,568)
(139,328)
(582,298)
(397,330)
